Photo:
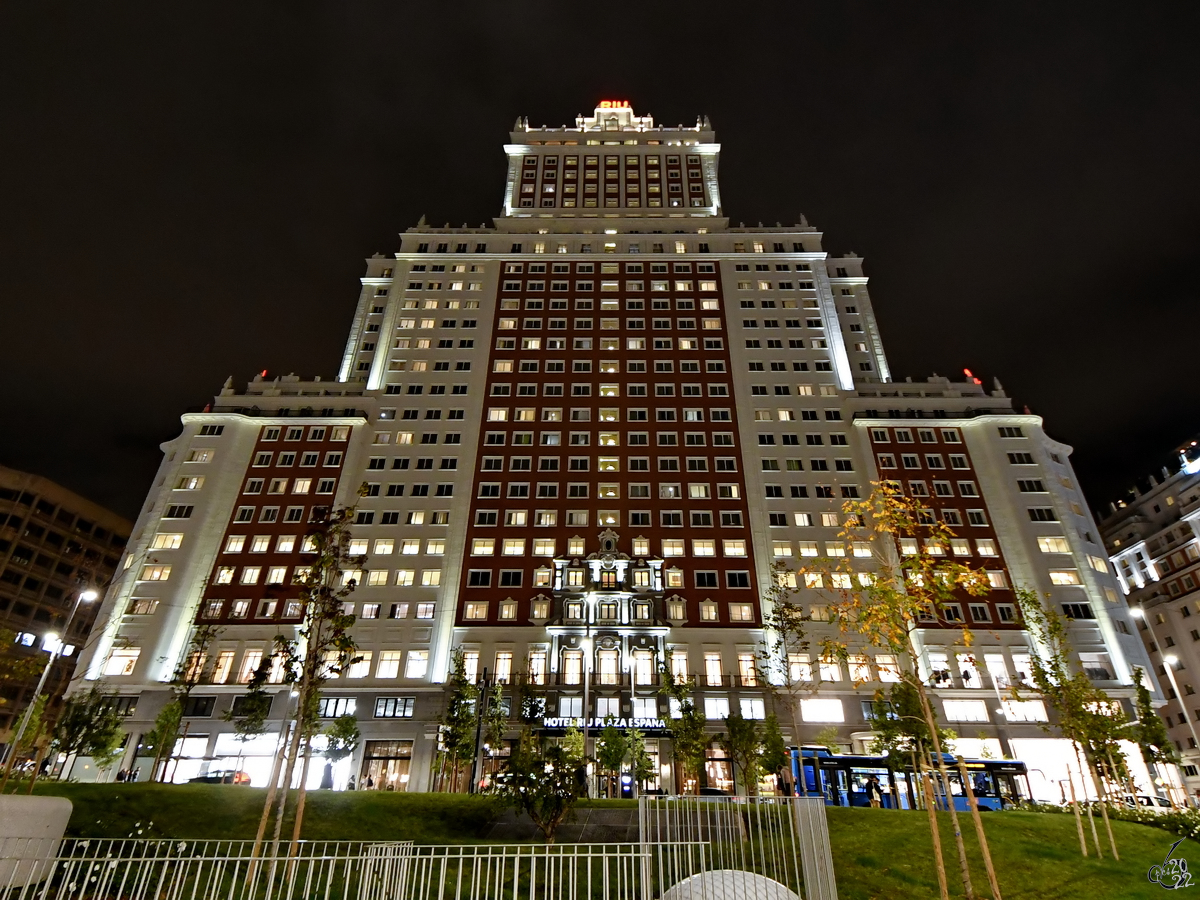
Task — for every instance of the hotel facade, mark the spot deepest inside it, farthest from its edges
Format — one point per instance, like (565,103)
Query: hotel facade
(586,437)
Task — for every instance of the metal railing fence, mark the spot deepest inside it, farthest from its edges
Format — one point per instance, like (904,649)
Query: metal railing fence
(132,869)
(782,842)
(784,839)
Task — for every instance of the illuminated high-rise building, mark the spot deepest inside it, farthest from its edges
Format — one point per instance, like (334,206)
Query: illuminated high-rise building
(588,434)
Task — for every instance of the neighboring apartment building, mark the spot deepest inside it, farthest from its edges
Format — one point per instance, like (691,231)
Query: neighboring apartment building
(1153,540)
(54,546)
(587,434)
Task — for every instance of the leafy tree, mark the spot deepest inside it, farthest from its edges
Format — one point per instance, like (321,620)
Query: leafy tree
(323,648)
(495,722)
(189,673)
(255,707)
(1086,714)
(907,591)
(15,668)
(775,758)
(827,737)
(29,739)
(531,702)
(159,741)
(1150,734)
(742,743)
(343,735)
(611,750)
(541,779)
(495,715)
(898,720)
(89,725)
(689,739)
(457,732)
(902,729)
(785,642)
(37,717)
(641,765)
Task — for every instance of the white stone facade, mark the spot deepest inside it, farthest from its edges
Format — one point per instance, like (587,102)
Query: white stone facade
(509,394)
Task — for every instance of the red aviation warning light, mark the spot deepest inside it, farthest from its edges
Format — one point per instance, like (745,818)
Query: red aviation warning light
(971,376)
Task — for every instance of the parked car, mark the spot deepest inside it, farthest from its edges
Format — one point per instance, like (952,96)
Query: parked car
(224,777)
(1158,805)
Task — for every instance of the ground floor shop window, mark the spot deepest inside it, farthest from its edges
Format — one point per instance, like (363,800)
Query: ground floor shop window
(386,766)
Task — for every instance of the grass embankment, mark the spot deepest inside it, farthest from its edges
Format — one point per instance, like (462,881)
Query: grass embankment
(229,812)
(877,853)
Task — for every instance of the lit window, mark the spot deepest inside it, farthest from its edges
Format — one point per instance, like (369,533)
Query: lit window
(122,661)
(417,664)
(822,710)
(965,710)
(1053,545)
(389,664)
(155,573)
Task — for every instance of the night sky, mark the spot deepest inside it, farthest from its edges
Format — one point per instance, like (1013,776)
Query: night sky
(187,191)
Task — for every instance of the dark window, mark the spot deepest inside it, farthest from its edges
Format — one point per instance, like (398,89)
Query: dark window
(199,707)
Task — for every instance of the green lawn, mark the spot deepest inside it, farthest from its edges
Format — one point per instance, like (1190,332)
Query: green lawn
(877,853)
(880,853)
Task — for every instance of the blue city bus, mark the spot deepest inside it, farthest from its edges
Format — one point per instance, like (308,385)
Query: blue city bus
(842,780)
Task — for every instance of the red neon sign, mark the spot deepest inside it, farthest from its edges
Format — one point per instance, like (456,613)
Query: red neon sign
(614,104)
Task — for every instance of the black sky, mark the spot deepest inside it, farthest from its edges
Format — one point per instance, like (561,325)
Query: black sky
(187,191)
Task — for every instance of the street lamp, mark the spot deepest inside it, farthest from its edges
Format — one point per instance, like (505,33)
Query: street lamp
(1169,660)
(55,644)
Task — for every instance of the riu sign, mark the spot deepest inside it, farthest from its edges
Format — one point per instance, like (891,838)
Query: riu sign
(613,104)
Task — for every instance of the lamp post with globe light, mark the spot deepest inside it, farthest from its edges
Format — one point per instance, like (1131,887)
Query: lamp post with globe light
(1169,661)
(55,645)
